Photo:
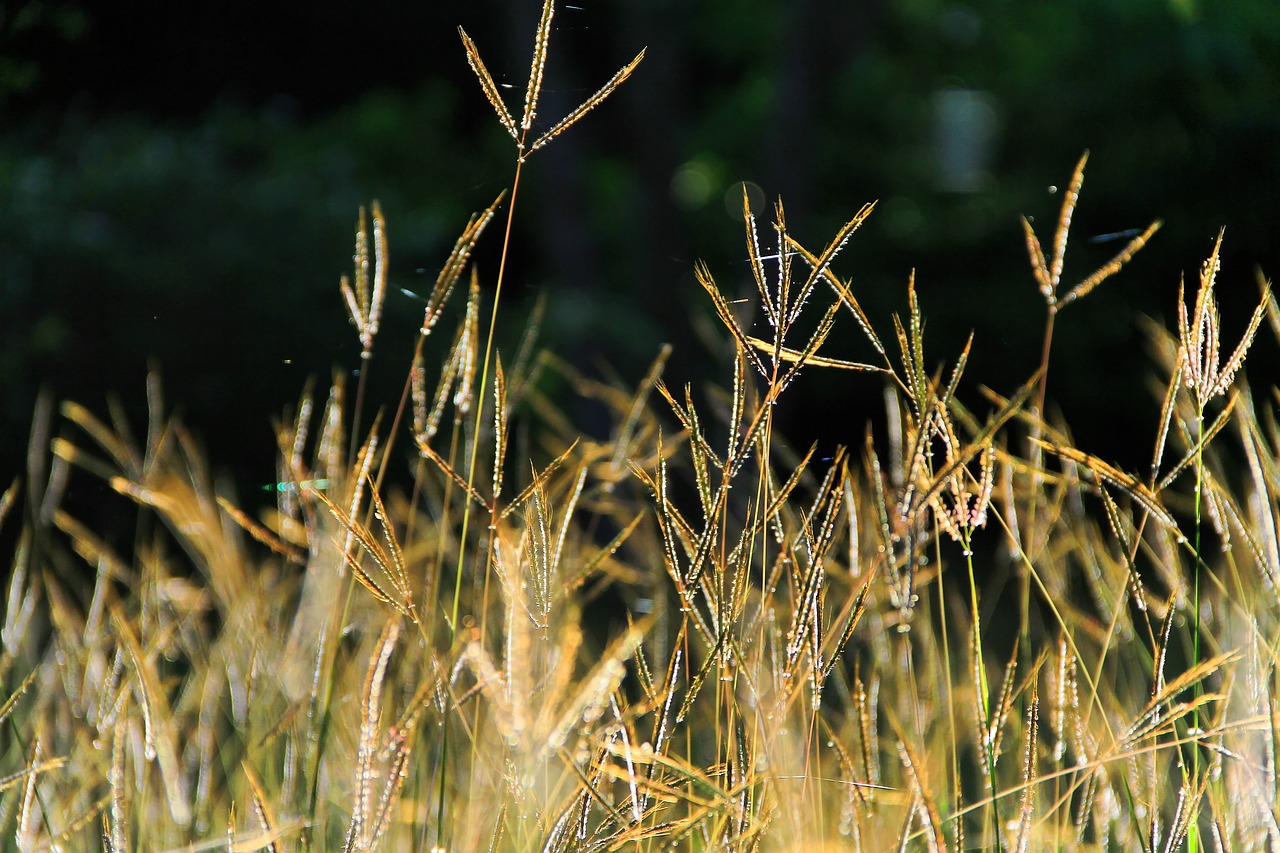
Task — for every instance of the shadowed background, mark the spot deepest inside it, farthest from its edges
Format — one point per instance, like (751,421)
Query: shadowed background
(179,185)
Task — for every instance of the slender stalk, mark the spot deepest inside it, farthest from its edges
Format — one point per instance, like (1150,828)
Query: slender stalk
(984,694)
(481,395)
(1193,830)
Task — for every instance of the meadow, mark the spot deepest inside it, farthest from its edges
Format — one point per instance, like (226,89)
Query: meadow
(462,623)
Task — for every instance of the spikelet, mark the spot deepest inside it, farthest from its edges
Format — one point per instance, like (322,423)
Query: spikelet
(359,832)
(261,810)
(1198,336)
(487,85)
(1027,802)
(589,104)
(533,89)
(922,797)
(158,724)
(364,302)
(455,265)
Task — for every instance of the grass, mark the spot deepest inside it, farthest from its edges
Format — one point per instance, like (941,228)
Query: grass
(961,631)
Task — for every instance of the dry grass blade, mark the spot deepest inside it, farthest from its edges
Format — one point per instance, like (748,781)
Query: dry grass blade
(1189,796)
(698,444)
(589,701)
(1118,529)
(533,90)
(499,429)
(1038,265)
(816,340)
(25,834)
(260,533)
(1069,200)
(1157,717)
(358,835)
(1269,297)
(604,553)
(261,809)
(738,405)
(919,786)
(754,258)
(117,818)
(847,299)
(980,443)
(715,655)
(119,450)
(725,313)
(397,772)
(459,369)
(373,314)
(1026,809)
(819,265)
(7,708)
(7,500)
(76,825)
(999,715)
(1108,473)
(856,608)
(699,450)
(768,600)
(1237,355)
(364,304)
(28,773)
(635,412)
(1166,419)
(487,84)
(69,452)
(1196,450)
(1198,336)
(589,104)
(911,348)
(539,481)
(358,533)
(455,264)
(397,570)
(161,737)
(453,475)
(792,356)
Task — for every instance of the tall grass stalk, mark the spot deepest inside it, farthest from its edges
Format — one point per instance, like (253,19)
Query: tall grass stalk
(1199,361)
(525,146)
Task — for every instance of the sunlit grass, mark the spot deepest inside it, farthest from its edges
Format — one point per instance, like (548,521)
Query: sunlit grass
(959,631)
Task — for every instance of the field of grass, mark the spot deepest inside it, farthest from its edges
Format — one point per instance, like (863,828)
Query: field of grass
(463,625)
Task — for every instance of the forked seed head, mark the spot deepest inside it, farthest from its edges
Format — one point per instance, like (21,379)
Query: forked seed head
(1199,334)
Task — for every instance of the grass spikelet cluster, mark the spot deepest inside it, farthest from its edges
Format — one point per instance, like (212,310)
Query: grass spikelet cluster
(461,624)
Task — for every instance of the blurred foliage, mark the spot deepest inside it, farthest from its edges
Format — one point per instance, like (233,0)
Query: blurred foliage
(26,30)
(216,243)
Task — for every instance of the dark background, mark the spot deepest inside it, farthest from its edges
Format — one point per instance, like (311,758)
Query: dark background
(179,184)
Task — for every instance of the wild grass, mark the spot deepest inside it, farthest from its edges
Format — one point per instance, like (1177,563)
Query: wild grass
(960,631)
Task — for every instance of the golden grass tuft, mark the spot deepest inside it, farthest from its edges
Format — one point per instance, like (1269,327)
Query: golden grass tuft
(409,648)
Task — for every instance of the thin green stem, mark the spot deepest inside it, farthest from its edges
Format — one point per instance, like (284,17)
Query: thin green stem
(984,696)
(480,400)
(1033,497)
(1193,831)
(471,474)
